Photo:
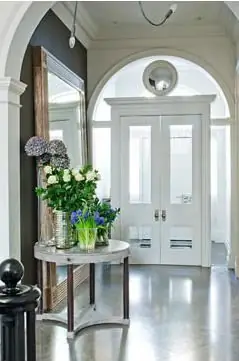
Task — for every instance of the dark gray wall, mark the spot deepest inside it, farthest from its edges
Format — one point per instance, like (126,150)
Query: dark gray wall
(53,35)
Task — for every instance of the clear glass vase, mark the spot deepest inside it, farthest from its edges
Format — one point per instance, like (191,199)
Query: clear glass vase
(86,238)
(45,217)
(62,230)
(102,238)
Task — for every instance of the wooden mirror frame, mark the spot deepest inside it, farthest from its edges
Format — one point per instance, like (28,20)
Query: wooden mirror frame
(44,62)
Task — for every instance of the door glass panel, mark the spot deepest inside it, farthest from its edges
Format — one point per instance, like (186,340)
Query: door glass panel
(56,134)
(181,164)
(102,159)
(140,164)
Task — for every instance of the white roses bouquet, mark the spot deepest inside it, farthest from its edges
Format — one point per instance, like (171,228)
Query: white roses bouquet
(68,189)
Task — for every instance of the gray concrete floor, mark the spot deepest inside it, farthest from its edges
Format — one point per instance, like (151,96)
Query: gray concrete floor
(177,313)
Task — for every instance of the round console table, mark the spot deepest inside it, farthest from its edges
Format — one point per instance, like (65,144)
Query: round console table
(116,251)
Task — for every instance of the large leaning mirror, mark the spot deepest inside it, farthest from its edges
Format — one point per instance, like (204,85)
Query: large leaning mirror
(59,97)
(160,77)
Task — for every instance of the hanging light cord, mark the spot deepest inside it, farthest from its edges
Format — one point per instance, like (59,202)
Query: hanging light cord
(73,30)
(170,12)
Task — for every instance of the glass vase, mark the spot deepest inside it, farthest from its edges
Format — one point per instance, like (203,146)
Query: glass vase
(102,238)
(63,230)
(86,238)
(45,217)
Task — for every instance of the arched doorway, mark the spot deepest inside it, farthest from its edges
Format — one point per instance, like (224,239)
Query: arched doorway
(24,19)
(19,22)
(192,80)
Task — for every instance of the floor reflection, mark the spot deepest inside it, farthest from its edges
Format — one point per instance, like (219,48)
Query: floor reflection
(177,313)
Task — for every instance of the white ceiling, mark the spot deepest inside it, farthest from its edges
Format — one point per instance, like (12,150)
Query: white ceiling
(128,12)
(123,19)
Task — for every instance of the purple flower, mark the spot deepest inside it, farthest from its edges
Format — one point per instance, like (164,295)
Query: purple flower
(74,218)
(57,147)
(44,159)
(62,162)
(36,146)
(86,215)
(99,220)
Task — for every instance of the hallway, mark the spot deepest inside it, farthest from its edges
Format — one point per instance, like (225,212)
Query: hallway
(177,313)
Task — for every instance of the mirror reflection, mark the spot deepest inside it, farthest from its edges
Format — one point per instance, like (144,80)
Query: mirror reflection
(160,77)
(65,105)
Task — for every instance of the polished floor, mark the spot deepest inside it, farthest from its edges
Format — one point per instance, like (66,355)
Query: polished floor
(177,313)
(219,254)
(219,257)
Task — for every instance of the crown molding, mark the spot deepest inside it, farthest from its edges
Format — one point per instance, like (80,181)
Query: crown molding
(234,7)
(150,42)
(10,91)
(127,31)
(161,99)
(85,29)
(11,85)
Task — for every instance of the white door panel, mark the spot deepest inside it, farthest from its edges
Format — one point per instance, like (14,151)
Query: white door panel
(181,190)
(161,176)
(139,188)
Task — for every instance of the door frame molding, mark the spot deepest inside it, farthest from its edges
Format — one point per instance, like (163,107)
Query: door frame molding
(158,106)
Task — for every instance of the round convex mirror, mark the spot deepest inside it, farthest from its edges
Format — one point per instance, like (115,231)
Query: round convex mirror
(160,77)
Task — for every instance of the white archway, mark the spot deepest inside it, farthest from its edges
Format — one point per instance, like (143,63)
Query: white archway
(101,127)
(162,52)
(18,23)
(25,16)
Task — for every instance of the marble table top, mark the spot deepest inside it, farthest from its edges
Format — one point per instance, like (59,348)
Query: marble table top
(116,251)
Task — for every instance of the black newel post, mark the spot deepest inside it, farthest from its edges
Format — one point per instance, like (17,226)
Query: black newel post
(17,308)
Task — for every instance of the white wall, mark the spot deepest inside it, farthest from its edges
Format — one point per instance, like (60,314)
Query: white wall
(220,185)
(215,53)
(192,80)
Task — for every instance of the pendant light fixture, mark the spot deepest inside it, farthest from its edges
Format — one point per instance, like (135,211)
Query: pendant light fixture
(169,13)
(72,39)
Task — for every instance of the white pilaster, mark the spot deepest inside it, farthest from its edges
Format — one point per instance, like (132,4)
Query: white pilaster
(235,181)
(10,91)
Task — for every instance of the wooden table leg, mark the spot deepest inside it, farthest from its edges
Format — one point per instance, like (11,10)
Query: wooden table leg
(126,288)
(70,299)
(92,283)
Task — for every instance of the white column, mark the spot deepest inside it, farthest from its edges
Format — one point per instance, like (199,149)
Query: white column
(10,91)
(234,259)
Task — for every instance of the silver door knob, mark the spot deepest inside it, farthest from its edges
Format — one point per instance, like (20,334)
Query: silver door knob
(164,215)
(156,215)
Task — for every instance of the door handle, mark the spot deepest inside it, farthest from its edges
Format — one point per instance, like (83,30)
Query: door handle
(164,215)
(156,215)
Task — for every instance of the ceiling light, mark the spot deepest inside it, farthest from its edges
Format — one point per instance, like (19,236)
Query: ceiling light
(72,39)
(72,42)
(170,12)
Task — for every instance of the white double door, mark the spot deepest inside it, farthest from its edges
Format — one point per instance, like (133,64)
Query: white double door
(161,190)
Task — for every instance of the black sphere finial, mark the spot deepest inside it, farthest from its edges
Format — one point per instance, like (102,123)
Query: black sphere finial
(11,272)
